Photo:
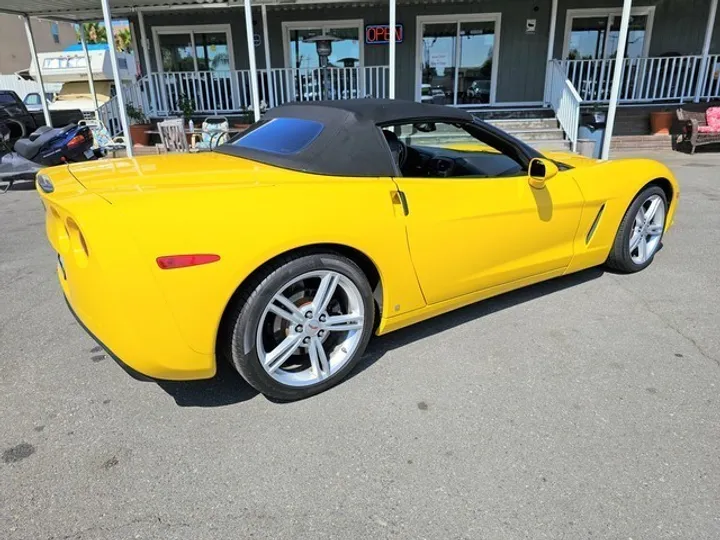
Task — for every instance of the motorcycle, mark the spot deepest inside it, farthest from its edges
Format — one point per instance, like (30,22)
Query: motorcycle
(45,147)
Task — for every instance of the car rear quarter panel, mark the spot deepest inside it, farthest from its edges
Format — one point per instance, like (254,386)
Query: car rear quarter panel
(247,225)
(613,184)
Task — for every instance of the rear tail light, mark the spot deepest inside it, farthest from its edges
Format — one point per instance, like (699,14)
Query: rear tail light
(77,140)
(181,261)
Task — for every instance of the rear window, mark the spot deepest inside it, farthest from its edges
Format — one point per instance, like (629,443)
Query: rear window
(284,136)
(7,98)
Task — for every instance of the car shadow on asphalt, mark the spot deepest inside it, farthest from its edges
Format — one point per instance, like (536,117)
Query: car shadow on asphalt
(228,388)
(382,344)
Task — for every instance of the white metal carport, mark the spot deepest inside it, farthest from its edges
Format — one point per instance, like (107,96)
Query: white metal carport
(78,11)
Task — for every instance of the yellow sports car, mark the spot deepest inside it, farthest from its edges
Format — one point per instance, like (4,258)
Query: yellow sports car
(287,247)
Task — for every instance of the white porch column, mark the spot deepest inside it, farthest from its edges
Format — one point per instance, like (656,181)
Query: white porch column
(107,17)
(33,53)
(550,49)
(391,73)
(617,76)
(706,50)
(91,80)
(254,93)
(145,45)
(268,66)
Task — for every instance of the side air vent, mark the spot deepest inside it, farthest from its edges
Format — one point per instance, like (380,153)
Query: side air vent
(594,224)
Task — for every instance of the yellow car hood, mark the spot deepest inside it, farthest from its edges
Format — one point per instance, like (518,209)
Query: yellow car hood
(574,160)
(148,173)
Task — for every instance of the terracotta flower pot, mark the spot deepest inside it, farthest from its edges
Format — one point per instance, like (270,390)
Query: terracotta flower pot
(139,133)
(661,122)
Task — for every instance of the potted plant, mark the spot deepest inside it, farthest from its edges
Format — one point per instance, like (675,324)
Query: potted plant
(661,121)
(186,105)
(139,125)
(245,119)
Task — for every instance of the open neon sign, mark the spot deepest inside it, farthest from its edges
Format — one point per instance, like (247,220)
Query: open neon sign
(377,34)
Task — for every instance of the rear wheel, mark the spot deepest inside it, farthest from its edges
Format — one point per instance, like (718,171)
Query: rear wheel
(302,325)
(640,233)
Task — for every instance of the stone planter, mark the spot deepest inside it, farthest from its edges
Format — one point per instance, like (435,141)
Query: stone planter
(139,134)
(661,122)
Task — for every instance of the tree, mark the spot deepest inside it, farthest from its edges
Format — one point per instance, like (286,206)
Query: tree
(123,40)
(97,33)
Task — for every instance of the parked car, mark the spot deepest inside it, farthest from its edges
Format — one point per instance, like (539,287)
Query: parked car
(287,248)
(33,102)
(23,122)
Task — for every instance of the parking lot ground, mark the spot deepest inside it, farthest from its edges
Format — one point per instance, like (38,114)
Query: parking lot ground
(585,407)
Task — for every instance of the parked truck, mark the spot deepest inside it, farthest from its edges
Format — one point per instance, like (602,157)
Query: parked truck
(22,122)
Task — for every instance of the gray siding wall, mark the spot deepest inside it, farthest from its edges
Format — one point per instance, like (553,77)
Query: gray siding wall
(679,26)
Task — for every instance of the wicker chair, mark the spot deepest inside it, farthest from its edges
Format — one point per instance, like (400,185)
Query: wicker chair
(172,135)
(695,128)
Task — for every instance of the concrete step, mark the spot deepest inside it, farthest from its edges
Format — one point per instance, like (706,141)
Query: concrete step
(641,142)
(560,145)
(514,114)
(512,124)
(537,134)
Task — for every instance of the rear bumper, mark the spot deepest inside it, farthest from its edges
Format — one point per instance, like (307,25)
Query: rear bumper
(146,353)
(130,371)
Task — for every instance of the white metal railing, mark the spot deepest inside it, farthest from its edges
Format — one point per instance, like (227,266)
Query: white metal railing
(135,94)
(644,79)
(711,84)
(229,91)
(565,101)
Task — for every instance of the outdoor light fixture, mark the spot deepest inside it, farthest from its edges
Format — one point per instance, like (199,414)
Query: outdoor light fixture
(323,44)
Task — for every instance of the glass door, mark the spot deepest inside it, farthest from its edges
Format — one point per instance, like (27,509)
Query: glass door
(594,37)
(457,60)
(342,79)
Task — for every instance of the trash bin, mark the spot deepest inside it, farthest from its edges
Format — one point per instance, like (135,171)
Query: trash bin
(586,147)
(592,128)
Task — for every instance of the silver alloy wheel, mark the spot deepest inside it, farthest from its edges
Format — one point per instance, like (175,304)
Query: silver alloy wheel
(648,229)
(311,328)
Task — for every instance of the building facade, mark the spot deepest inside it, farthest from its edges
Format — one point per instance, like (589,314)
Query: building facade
(49,36)
(463,53)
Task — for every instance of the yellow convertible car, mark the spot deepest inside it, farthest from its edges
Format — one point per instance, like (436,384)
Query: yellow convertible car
(287,247)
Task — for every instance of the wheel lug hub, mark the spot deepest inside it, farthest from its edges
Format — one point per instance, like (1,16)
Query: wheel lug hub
(308,314)
(306,340)
(322,318)
(299,328)
(321,333)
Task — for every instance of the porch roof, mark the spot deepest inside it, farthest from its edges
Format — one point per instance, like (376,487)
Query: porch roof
(90,10)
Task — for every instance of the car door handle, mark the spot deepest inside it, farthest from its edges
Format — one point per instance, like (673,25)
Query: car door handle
(398,197)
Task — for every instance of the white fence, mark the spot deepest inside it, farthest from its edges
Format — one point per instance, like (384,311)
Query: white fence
(23,87)
(565,101)
(672,78)
(229,91)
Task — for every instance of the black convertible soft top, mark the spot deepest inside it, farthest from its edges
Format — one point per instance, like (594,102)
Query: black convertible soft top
(349,142)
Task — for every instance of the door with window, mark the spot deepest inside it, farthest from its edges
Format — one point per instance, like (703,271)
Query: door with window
(593,34)
(195,62)
(473,220)
(344,61)
(457,59)
(591,41)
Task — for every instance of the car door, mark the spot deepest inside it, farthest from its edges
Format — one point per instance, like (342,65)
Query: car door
(469,234)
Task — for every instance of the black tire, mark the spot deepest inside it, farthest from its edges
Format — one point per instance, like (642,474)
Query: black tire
(619,258)
(256,295)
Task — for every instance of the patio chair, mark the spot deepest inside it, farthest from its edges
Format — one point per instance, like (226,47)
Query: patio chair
(172,135)
(215,131)
(102,139)
(699,128)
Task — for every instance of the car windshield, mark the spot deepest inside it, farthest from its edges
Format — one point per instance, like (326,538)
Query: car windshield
(284,136)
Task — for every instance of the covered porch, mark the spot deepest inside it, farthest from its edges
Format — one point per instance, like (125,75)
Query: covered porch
(236,58)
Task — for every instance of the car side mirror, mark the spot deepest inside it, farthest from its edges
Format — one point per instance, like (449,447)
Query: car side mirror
(541,170)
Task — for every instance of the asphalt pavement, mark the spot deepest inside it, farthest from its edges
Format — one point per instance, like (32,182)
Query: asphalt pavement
(582,408)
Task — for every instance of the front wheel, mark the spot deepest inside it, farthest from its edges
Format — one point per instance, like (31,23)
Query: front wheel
(302,326)
(640,233)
